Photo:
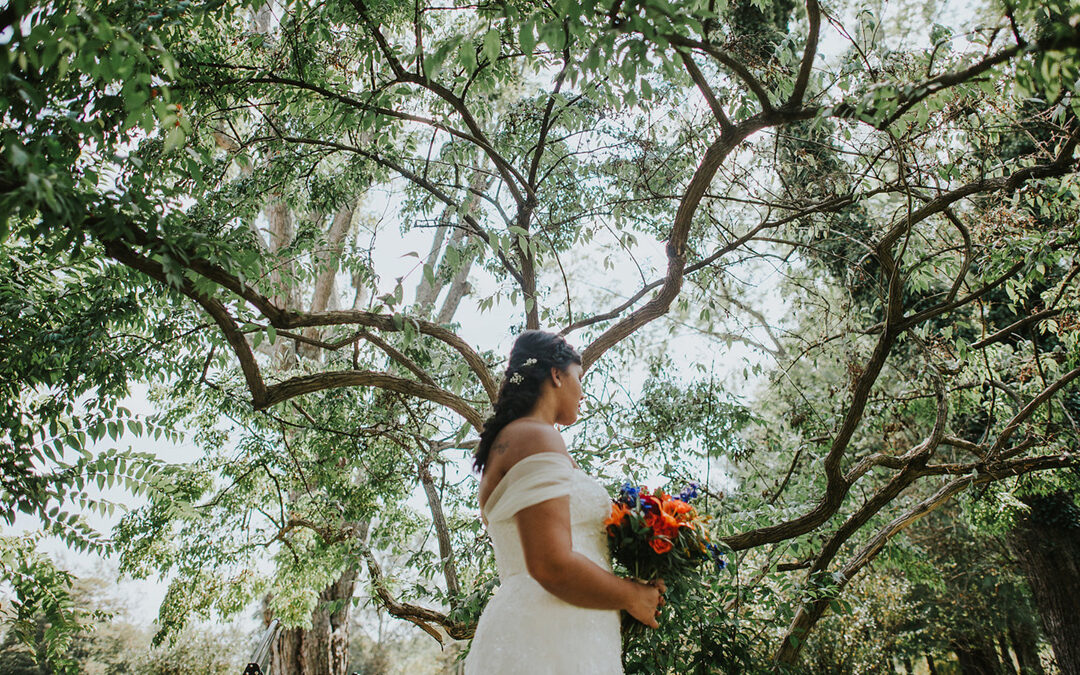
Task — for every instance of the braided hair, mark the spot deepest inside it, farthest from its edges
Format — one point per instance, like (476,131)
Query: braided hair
(534,354)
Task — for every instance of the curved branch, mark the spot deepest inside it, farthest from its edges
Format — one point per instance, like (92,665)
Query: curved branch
(837,485)
(478,230)
(823,207)
(1015,327)
(706,91)
(813,13)
(733,64)
(239,344)
(676,245)
(306,384)
(389,323)
(284,320)
(421,616)
(1030,408)
(509,173)
(939,83)
(809,613)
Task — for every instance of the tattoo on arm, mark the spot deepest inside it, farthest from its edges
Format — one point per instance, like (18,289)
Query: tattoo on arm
(500,447)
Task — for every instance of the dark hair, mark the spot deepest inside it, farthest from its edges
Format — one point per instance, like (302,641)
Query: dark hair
(534,354)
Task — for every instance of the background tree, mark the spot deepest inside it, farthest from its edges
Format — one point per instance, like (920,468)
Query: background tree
(217,155)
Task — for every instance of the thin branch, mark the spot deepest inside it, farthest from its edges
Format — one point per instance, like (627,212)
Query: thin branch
(706,91)
(1015,328)
(420,181)
(211,306)
(809,613)
(421,616)
(1026,412)
(732,63)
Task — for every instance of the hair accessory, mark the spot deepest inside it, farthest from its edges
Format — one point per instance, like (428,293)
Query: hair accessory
(528,362)
(516,378)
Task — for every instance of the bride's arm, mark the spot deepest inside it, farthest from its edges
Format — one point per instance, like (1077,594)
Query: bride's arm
(570,576)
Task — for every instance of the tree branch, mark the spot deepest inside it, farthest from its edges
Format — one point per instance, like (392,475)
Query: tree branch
(706,91)
(421,616)
(676,244)
(809,613)
(733,64)
(813,13)
(306,384)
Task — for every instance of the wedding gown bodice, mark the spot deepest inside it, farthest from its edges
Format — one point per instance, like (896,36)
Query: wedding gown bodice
(524,629)
(534,479)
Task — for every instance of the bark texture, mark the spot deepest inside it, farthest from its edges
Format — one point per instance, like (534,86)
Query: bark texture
(324,648)
(978,658)
(1006,657)
(1047,544)
(1026,646)
(931,666)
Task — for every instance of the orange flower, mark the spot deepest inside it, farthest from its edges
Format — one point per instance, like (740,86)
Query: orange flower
(618,514)
(679,510)
(662,524)
(670,522)
(660,545)
(676,506)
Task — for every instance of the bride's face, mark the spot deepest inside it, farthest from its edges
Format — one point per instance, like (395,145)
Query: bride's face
(570,394)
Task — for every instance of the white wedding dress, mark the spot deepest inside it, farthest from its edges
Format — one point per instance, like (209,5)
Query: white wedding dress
(525,630)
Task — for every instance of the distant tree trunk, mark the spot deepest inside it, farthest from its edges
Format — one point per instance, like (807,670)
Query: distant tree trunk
(324,648)
(977,658)
(1006,657)
(1047,543)
(1026,647)
(930,665)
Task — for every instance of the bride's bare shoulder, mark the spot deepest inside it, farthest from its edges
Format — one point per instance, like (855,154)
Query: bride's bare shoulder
(521,438)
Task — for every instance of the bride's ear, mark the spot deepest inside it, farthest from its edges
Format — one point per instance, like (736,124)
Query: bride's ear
(555,377)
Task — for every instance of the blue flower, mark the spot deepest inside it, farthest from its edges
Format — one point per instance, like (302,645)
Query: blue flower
(717,557)
(629,493)
(690,492)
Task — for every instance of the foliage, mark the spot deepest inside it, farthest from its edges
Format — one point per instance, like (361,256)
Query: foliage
(42,615)
(213,176)
(699,633)
(109,641)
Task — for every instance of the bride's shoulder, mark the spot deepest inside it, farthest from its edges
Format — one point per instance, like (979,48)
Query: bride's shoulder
(522,438)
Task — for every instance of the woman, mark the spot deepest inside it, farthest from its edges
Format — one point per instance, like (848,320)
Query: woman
(556,609)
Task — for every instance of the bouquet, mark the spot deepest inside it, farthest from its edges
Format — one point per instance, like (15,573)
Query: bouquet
(654,535)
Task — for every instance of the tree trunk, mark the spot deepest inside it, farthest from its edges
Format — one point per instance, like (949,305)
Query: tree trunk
(1048,547)
(1006,657)
(930,665)
(977,659)
(324,648)
(1026,647)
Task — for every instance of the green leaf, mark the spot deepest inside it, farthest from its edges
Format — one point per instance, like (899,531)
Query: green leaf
(491,45)
(527,36)
(467,56)
(175,138)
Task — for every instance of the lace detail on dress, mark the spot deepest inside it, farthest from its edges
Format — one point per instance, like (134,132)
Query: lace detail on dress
(524,629)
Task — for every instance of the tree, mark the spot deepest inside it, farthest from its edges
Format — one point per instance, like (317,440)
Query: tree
(538,134)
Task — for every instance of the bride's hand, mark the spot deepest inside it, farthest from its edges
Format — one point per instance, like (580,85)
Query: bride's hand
(646,601)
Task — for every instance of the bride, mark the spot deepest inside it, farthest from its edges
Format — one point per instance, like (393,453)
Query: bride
(556,609)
